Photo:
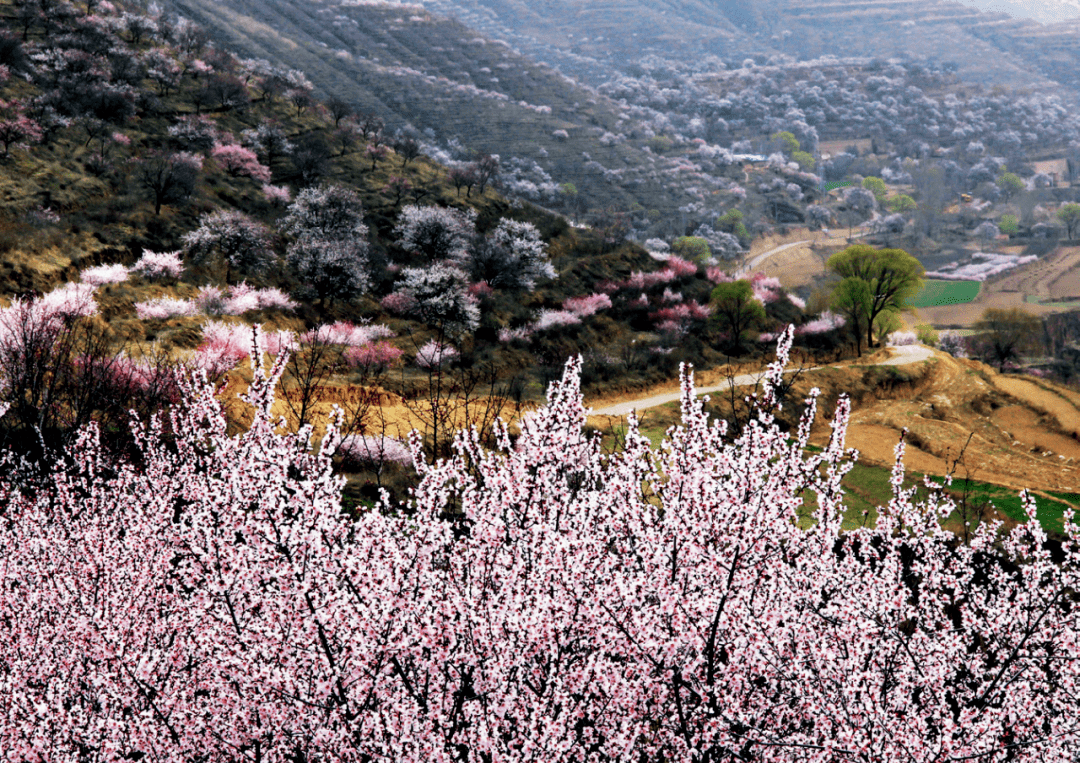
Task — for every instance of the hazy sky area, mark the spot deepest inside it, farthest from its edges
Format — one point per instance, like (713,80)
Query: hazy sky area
(1046,11)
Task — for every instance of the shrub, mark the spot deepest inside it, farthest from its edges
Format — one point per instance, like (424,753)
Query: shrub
(72,300)
(372,355)
(374,451)
(278,195)
(548,319)
(954,344)
(926,334)
(586,306)
(824,323)
(348,334)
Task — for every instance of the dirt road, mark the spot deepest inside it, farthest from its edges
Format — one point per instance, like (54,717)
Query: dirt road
(901,356)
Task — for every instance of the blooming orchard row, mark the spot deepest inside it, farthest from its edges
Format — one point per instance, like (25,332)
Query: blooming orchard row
(538,602)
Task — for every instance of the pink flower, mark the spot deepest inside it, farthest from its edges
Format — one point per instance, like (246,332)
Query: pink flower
(72,300)
(241,162)
(347,333)
(902,338)
(522,333)
(717,275)
(824,323)
(398,303)
(377,451)
(277,342)
(278,195)
(552,318)
(481,289)
(681,268)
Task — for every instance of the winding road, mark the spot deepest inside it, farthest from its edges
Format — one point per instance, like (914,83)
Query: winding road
(833,238)
(902,356)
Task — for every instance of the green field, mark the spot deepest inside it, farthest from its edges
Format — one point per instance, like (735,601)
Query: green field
(940,293)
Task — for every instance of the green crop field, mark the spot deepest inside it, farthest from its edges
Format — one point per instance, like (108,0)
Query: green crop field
(939,293)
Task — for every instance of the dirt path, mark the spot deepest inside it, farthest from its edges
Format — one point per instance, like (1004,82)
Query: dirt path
(796,261)
(901,356)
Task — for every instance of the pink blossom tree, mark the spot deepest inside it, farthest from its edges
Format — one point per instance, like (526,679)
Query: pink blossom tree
(16,128)
(241,162)
(540,600)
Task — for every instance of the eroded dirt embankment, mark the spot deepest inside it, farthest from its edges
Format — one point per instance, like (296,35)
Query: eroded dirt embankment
(964,417)
(961,417)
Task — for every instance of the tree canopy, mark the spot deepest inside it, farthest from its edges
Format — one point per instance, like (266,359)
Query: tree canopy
(681,603)
(736,309)
(1006,334)
(1070,215)
(891,277)
(852,299)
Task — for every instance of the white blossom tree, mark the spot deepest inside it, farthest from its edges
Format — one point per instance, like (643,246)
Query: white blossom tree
(329,253)
(233,239)
(513,256)
(436,233)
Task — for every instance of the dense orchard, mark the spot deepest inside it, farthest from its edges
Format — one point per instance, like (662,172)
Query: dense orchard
(540,602)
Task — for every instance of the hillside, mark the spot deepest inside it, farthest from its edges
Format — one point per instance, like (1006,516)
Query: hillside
(590,39)
(1044,11)
(458,92)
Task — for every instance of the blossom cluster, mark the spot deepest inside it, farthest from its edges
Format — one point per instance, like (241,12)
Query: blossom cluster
(154,266)
(902,339)
(103,274)
(434,355)
(766,289)
(346,333)
(548,319)
(583,307)
(377,451)
(213,300)
(540,600)
(372,355)
(824,323)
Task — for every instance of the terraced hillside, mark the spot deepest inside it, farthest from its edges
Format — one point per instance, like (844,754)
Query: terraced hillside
(591,37)
(990,48)
(414,68)
(1045,11)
